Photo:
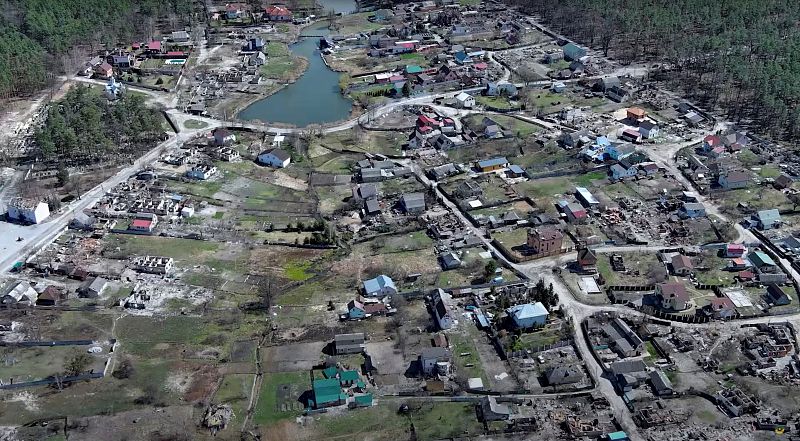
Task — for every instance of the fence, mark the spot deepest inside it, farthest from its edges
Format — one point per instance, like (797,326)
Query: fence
(49,381)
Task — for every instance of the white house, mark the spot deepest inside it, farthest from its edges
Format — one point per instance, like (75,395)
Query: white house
(223,137)
(277,158)
(465,100)
(27,210)
(202,172)
(648,129)
(444,317)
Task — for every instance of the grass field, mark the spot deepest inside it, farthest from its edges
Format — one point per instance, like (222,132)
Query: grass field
(178,249)
(280,63)
(277,399)
(432,421)
(195,124)
(494,101)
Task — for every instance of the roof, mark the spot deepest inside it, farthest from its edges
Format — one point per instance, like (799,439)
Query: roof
(326,391)
(437,353)
(463,96)
(281,154)
(364,400)
(737,176)
(660,381)
(514,168)
(98,284)
(637,112)
(493,162)
(413,200)
(413,68)
(676,290)
(378,283)
(546,233)
(617,436)
(586,195)
(769,217)
(679,261)
(528,310)
(693,206)
(277,10)
(760,258)
(628,366)
(350,375)
(141,223)
(154,45)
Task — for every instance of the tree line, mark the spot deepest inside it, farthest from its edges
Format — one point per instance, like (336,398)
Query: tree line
(742,56)
(42,38)
(85,126)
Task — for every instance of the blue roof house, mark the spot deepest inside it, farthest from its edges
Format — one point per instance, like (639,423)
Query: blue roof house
(528,315)
(462,58)
(380,286)
(768,219)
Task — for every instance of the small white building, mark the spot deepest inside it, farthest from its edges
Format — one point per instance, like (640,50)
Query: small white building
(28,211)
(465,100)
(278,158)
(223,137)
(648,129)
(202,172)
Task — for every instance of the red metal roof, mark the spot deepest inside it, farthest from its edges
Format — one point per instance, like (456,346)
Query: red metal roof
(154,45)
(141,223)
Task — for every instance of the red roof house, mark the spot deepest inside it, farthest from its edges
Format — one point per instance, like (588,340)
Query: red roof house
(277,13)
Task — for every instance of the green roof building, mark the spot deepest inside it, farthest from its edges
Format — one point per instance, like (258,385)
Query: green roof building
(328,393)
(347,378)
(761,259)
(362,400)
(330,372)
(413,69)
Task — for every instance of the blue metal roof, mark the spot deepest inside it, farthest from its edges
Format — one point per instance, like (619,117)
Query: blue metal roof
(493,162)
(378,283)
(516,169)
(527,310)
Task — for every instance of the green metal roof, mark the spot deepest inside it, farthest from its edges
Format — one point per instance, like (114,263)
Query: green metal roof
(615,436)
(348,375)
(413,68)
(329,372)
(364,400)
(759,259)
(327,391)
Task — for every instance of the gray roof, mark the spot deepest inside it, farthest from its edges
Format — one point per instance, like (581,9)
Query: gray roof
(281,154)
(372,205)
(437,353)
(660,381)
(98,284)
(413,200)
(628,366)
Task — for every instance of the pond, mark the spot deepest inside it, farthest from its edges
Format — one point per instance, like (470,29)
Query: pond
(314,98)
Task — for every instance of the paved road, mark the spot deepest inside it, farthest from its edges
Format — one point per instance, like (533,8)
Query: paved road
(36,236)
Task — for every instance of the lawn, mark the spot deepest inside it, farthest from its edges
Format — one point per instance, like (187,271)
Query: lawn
(178,249)
(469,364)
(235,390)
(516,127)
(414,56)
(431,421)
(297,271)
(494,102)
(280,63)
(278,398)
(195,124)
(768,171)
